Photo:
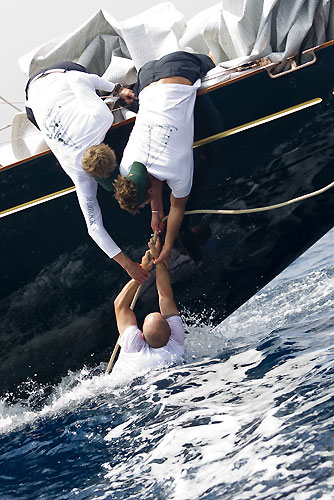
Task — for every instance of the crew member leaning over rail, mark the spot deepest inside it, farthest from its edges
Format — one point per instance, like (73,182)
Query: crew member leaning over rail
(62,102)
(160,147)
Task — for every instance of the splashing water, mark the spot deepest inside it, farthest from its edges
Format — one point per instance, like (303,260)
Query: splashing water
(247,415)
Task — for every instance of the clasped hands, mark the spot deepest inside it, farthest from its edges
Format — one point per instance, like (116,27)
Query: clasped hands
(151,255)
(158,225)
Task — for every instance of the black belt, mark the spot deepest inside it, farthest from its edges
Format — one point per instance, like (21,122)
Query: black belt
(45,73)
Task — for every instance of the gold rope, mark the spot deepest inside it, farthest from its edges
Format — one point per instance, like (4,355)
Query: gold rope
(223,212)
(262,209)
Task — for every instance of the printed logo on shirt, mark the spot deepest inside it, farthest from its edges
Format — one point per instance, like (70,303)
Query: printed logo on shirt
(54,129)
(90,211)
(157,139)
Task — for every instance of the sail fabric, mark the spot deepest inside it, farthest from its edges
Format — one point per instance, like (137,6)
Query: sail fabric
(242,30)
(252,29)
(234,32)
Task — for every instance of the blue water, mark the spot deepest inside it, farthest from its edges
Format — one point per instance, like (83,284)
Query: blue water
(248,415)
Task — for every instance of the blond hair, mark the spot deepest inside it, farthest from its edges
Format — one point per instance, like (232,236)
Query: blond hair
(99,161)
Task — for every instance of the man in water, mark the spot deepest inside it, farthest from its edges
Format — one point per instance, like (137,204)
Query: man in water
(160,147)
(62,102)
(162,339)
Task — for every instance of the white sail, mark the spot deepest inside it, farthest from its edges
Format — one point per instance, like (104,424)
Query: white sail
(234,32)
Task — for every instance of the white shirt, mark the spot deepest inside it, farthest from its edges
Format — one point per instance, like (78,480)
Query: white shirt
(136,356)
(162,137)
(72,117)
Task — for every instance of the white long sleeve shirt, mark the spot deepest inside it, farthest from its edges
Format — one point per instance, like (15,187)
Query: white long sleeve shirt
(72,118)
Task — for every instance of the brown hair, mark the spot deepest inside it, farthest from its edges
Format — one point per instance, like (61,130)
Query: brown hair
(126,193)
(99,160)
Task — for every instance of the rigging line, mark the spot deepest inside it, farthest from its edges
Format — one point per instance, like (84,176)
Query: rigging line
(5,127)
(16,102)
(10,104)
(267,208)
(189,212)
(237,70)
(220,212)
(261,209)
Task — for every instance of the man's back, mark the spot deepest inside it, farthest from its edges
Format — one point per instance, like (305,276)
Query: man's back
(162,137)
(70,114)
(137,357)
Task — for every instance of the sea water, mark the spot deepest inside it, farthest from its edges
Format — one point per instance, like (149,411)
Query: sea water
(249,414)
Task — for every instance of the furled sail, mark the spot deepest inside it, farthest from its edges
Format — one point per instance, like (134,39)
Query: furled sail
(234,33)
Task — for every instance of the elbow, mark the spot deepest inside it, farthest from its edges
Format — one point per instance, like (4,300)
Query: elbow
(120,303)
(92,230)
(117,304)
(95,233)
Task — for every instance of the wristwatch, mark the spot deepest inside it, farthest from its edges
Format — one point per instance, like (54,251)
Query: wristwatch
(117,89)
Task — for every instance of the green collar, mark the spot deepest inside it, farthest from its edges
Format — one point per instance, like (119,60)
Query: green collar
(108,182)
(138,174)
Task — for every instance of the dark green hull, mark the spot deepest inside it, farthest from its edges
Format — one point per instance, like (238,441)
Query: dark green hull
(57,287)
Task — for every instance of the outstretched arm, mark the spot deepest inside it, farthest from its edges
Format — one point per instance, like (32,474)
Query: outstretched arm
(175,217)
(133,269)
(125,317)
(166,298)
(81,82)
(86,188)
(156,205)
